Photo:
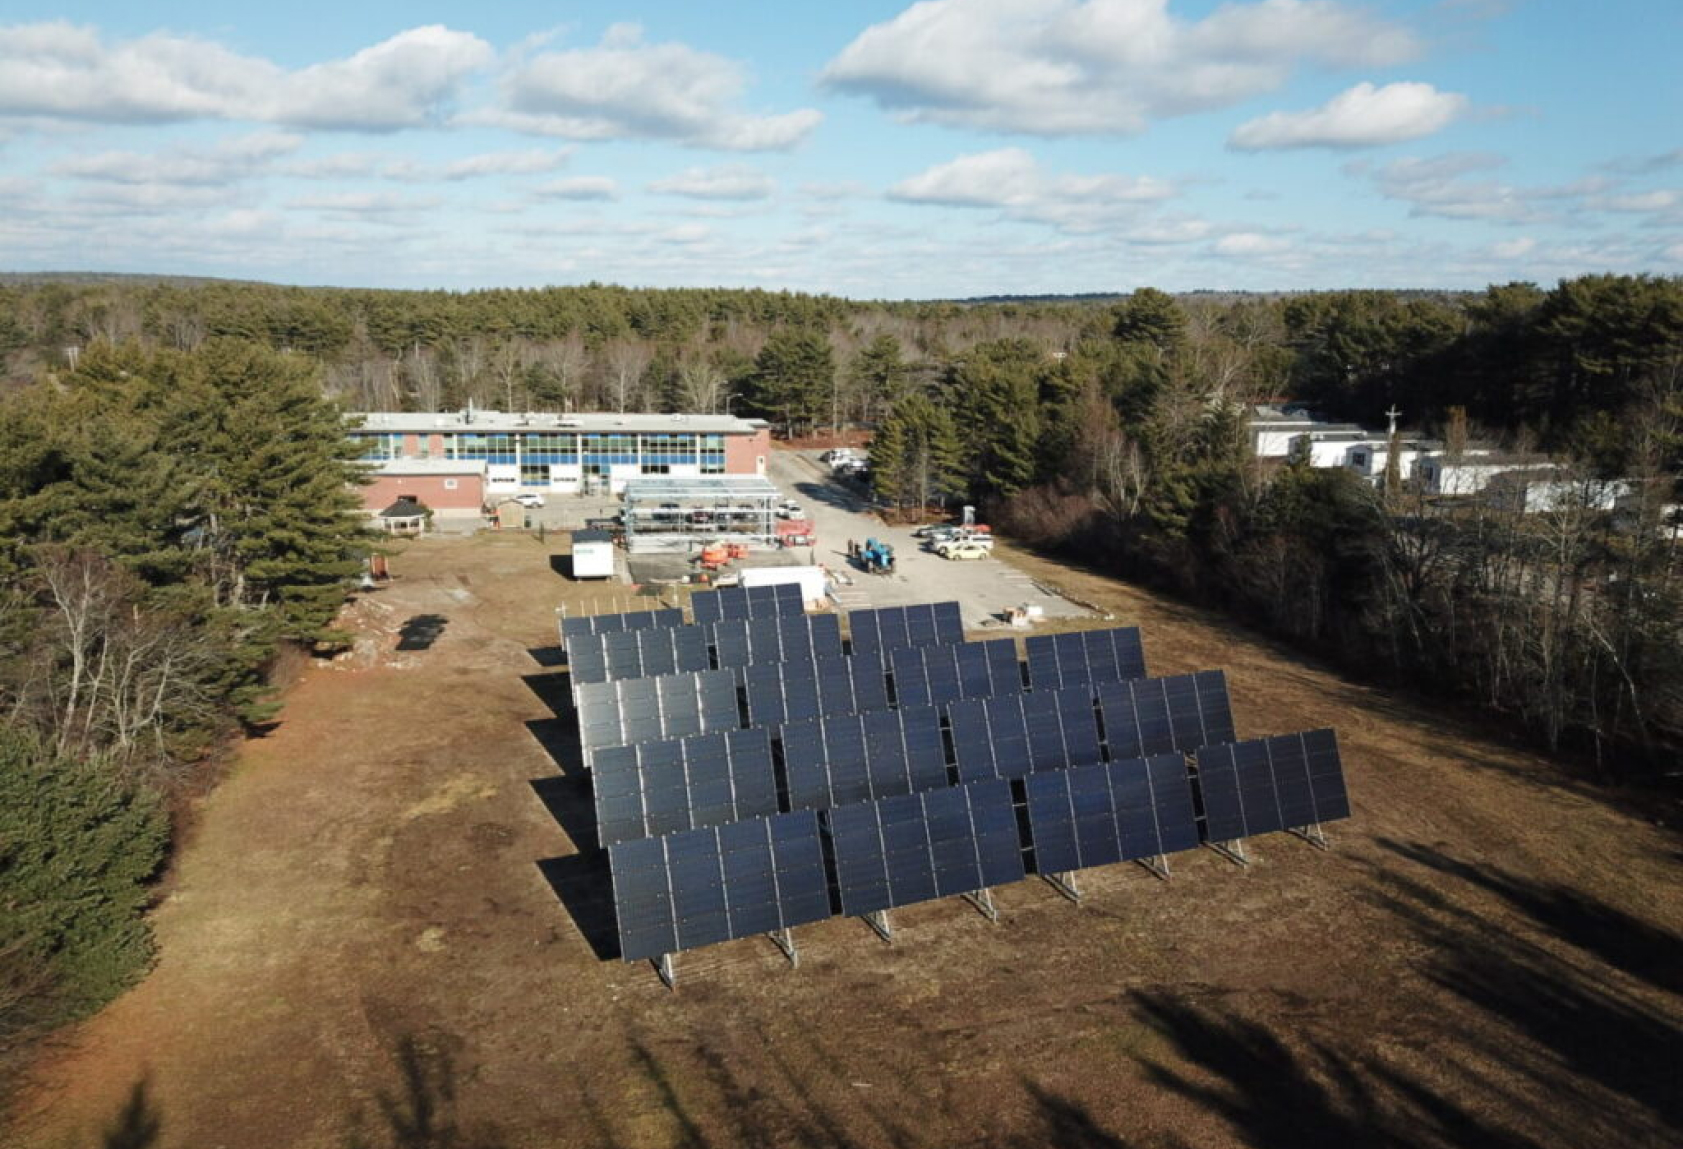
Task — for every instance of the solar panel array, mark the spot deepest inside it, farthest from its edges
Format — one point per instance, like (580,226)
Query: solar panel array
(655,788)
(780,692)
(721,882)
(748,602)
(652,709)
(1085,656)
(898,764)
(1115,812)
(1270,784)
(927,675)
(743,642)
(885,629)
(1012,736)
(858,757)
(916,847)
(1155,715)
(615,655)
(572,628)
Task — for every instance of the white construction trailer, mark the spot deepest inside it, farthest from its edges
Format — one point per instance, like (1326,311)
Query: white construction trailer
(593,554)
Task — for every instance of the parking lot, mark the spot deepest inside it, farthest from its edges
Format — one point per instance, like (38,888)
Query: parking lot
(984,589)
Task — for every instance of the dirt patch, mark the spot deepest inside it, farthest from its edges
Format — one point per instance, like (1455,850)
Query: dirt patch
(387,911)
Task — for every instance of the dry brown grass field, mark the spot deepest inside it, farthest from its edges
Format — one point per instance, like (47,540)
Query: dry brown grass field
(390,925)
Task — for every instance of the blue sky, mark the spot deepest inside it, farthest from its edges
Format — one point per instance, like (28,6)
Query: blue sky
(876,150)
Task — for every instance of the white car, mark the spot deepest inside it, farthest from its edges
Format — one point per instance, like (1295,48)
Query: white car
(943,545)
(527,499)
(789,509)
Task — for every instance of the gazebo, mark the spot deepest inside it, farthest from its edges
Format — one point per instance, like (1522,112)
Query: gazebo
(407,516)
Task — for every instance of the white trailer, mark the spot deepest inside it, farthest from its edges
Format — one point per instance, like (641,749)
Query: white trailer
(593,554)
(814,581)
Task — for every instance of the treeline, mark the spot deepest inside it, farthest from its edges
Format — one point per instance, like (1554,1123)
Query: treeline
(169,521)
(1129,450)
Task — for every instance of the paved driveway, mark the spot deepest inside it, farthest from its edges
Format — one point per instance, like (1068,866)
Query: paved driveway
(982,588)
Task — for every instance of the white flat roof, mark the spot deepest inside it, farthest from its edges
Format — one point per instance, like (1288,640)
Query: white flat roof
(482,421)
(431,467)
(679,487)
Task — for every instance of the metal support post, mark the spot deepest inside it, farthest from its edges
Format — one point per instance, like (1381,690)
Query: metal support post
(785,941)
(1065,885)
(1158,864)
(1313,834)
(983,901)
(878,921)
(667,970)
(1233,851)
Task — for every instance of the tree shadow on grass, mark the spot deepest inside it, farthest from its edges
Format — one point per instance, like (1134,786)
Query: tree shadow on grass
(419,1112)
(138,1124)
(421,631)
(1578,993)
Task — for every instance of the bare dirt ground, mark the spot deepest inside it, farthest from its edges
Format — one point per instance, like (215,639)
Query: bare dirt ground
(391,920)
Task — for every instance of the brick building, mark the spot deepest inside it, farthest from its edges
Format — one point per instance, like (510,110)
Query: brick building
(498,454)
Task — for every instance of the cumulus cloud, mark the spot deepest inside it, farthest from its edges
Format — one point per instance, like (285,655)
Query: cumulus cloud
(579,188)
(727,182)
(66,71)
(1457,186)
(1098,67)
(533,162)
(626,88)
(225,162)
(362,204)
(1248,244)
(1011,177)
(1362,117)
(1011,180)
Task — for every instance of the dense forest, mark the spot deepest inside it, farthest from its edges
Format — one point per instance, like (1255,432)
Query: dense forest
(173,488)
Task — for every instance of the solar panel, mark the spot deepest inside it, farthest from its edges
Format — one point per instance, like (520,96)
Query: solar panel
(586,661)
(665,787)
(718,883)
(652,709)
(1111,812)
(847,758)
(1085,656)
(1267,784)
(915,847)
(885,629)
(1155,715)
(748,602)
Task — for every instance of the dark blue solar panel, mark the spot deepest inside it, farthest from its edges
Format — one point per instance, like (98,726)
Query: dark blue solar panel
(586,661)
(948,623)
(885,753)
(1043,670)
(1326,776)
(972,743)
(926,755)
(806,765)
(574,628)
(911,680)
(870,683)
(1215,710)
(920,625)
(1080,725)
(825,630)
(730,642)
(1006,726)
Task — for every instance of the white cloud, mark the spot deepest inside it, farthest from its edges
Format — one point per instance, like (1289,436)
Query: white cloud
(1011,178)
(625,88)
(1439,186)
(362,203)
(533,162)
(1514,248)
(1249,243)
(1097,67)
(1364,116)
(64,71)
(579,188)
(731,181)
(225,162)
(1643,202)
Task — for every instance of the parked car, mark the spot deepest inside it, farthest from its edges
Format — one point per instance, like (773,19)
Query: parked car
(528,499)
(963,538)
(965,550)
(928,529)
(789,509)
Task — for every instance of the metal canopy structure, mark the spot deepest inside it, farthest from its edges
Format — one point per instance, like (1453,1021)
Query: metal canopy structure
(684,512)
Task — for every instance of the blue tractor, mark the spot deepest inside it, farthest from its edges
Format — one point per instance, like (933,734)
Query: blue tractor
(876,557)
